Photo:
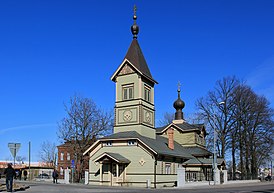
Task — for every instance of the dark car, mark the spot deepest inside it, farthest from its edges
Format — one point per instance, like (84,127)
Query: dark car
(43,175)
(268,178)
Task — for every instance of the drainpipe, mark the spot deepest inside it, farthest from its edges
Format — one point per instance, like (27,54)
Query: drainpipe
(155,165)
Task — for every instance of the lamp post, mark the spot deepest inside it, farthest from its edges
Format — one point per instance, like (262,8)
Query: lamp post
(215,164)
(214,154)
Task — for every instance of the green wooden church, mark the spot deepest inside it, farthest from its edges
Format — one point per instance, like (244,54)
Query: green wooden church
(137,153)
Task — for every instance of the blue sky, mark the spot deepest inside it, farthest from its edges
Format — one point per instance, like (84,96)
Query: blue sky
(52,49)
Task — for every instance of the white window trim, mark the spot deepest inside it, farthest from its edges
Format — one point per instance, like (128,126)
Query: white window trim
(147,93)
(131,142)
(126,88)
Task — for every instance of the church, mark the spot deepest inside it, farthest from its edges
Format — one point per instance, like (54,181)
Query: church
(137,153)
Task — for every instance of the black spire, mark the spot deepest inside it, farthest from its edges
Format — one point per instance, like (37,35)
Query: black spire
(179,105)
(134,27)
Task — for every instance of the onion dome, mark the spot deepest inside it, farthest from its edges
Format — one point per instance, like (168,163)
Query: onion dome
(134,27)
(179,105)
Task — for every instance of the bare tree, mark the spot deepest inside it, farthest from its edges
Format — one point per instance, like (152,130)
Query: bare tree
(20,159)
(244,124)
(168,118)
(216,109)
(48,153)
(255,128)
(84,122)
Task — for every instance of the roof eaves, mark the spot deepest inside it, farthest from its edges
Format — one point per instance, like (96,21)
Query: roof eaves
(90,148)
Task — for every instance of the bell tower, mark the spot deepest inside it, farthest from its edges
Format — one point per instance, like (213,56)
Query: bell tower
(134,103)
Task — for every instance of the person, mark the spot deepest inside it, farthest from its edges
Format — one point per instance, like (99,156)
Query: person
(55,176)
(10,174)
(25,174)
(20,174)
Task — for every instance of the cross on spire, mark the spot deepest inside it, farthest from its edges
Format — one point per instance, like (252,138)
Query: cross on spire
(179,86)
(134,27)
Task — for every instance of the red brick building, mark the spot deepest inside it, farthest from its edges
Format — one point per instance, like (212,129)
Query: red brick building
(67,157)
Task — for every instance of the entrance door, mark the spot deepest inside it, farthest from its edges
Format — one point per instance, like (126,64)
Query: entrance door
(117,174)
(105,173)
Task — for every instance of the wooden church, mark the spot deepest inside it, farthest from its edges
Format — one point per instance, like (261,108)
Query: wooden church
(137,153)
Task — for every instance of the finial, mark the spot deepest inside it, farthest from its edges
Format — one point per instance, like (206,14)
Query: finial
(179,89)
(134,27)
(134,16)
(179,105)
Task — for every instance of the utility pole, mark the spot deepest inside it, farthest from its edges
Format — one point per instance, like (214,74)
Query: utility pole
(29,161)
(215,154)
(215,164)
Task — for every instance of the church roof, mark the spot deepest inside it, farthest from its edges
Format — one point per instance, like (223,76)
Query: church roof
(113,156)
(136,57)
(181,126)
(198,151)
(137,60)
(203,161)
(159,145)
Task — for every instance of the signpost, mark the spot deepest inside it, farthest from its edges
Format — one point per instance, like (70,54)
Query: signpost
(14,148)
(72,170)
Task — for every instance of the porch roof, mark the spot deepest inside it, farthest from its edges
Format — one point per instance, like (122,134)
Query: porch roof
(112,156)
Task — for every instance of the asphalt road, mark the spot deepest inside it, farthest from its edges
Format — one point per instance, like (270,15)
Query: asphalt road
(45,187)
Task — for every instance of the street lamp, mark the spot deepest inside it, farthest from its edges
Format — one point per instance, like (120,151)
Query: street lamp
(215,164)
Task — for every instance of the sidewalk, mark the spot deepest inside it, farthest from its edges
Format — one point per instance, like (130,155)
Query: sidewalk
(232,183)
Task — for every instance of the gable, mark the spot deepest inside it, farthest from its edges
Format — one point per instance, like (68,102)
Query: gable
(182,128)
(126,69)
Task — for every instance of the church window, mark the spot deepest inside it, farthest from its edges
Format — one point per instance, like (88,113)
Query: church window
(168,168)
(131,142)
(128,92)
(108,143)
(147,94)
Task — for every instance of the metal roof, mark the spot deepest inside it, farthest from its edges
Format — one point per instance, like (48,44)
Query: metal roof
(198,151)
(203,161)
(136,58)
(158,145)
(182,126)
(113,156)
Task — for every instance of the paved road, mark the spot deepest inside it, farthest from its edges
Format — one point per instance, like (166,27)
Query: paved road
(45,187)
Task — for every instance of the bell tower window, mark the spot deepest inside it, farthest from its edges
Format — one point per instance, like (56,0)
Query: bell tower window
(147,94)
(128,92)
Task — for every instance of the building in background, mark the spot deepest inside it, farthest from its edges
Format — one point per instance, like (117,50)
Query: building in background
(67,158)
(35,171)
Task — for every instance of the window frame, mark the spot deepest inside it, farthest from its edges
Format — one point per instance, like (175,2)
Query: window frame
(108,143)
(131,142)
(128,92)
(147,93)
(68,156)
(167,168)
(62,156)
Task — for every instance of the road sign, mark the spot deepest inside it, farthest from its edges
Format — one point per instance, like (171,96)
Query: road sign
(14,148)
(72,163)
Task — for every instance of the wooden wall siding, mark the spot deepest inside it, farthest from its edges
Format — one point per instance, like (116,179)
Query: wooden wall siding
(134,153)
(183,138)
(127,79)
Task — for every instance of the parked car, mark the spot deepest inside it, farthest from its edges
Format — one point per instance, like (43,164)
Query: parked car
(268,178)
(43,176)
